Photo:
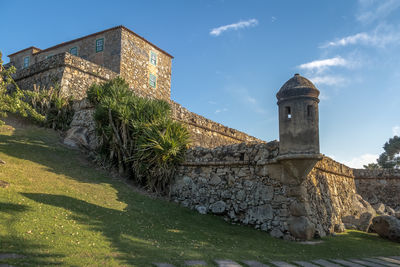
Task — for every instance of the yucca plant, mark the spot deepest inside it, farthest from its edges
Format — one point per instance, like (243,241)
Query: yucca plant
(137,134)
(49,102)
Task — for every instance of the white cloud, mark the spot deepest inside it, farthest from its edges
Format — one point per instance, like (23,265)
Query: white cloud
(235,26)
(273,19)
(320,65)
(212,102)
(380,37)
(359,162)
(328,80)
(396,130)
(352,39)
(221,110)
(375,10)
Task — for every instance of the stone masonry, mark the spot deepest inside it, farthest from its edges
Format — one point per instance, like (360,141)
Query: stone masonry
(125,54)
(286,188)
(385,185)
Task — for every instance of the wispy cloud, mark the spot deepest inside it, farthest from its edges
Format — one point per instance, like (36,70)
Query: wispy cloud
(352,39)
(221,110)
(320,65)
(375,10)
(243,95)
(235,26)
(328,80)
(273,19)
(396,130)
(380,37)
(359,162)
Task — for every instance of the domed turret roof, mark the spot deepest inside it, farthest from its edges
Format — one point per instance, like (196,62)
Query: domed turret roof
(297,86)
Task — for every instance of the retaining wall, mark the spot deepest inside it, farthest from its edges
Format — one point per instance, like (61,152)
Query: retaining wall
(379,186)
(244,183)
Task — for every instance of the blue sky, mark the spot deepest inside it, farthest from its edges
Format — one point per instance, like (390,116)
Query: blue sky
(231,57)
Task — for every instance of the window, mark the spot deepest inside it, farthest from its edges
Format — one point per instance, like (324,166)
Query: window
(99,45)
(288,113)
(73,51)
(153,80)
(49,56)
(26,62)
(153,58)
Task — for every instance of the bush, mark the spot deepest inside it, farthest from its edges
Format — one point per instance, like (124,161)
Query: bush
(138,134)
(49,102)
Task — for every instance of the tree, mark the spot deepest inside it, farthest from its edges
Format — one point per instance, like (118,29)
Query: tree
(390,158)
(12,100)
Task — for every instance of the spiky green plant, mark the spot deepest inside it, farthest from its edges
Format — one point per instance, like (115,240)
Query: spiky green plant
(137,134)
(55,107)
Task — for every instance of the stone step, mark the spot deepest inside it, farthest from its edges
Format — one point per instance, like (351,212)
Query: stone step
(305,264)
(347,263)
(391,260)
(161,264)
(254,264)
(395,257)
(227,263)
(282,264)
(366,263)
(195,262)
(326,263)
(384,263)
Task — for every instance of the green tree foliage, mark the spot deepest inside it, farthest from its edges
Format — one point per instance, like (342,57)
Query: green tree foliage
(138,134)
(12,98)
(390,158)
(55,107)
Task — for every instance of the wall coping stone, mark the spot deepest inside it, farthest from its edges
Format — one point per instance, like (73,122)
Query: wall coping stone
(377,174)
(65,60)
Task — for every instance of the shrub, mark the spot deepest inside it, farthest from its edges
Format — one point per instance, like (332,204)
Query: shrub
(138,134)
(49,102)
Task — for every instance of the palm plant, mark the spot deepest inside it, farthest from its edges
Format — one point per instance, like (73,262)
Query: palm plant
(137,134)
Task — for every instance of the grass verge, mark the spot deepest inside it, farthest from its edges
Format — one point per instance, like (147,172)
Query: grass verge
(60,210)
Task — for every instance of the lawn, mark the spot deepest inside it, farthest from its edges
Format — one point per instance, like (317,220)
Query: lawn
(59,209)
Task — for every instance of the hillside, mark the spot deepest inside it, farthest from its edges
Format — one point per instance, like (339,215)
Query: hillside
(60,209)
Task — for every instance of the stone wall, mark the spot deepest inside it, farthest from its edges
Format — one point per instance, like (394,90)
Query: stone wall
(86,48)
(379,186)
(245,184)
(136,66)
(207,133)
(74,74)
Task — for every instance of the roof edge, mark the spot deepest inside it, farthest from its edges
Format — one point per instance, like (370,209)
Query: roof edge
(23,50)
(90,35)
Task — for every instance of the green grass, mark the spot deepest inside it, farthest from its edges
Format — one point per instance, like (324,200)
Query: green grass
(60,209)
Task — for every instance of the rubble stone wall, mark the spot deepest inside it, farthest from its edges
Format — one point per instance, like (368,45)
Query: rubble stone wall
(136,66)
(74,74)
(207,133)
(379,186)
(242,182)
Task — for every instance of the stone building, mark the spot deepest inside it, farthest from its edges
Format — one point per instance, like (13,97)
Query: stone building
(286,188)
(146,67)
(101,56)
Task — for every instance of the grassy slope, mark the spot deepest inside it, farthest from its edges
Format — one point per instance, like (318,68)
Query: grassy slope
(59,209)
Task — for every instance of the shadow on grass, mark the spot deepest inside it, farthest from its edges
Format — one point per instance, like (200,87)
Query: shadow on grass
(125,231)
(43,146)
(20,249)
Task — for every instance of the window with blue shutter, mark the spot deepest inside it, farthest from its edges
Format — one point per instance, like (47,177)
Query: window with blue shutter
(99,45)
(153,58)
(73,51)
(153,80)
(26,62)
